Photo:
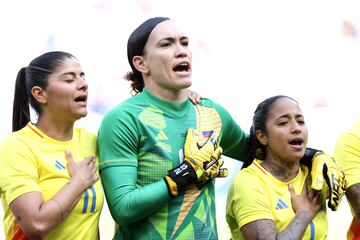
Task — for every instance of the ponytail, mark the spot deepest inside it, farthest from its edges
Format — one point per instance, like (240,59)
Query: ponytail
(256,150)
(21,110)
(137,82)
(36,74)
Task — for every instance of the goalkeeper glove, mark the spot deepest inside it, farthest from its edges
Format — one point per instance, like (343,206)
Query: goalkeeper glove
(195,156)
(200,153)
(216,171)
(324,167)
(212,166)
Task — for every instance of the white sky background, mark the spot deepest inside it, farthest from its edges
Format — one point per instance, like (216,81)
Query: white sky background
(243,52)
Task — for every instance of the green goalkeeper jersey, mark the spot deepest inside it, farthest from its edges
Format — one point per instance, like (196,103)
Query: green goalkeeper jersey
(139,141)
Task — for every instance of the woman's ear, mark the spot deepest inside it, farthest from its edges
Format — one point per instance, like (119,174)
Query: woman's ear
(262,138)
(39,94)
(140,64)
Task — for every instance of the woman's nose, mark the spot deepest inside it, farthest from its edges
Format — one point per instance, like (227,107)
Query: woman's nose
(82,84)
(181,51)
(296,127)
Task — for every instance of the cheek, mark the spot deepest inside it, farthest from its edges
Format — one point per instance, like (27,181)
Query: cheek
(61,94)
(158,67)
(277,138)
(190,55)
(306,135)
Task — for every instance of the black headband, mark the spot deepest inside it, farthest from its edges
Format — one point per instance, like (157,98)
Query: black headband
(139,37)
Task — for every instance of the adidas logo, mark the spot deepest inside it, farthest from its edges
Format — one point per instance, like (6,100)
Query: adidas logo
(161,136)
(281,204)
(58,165)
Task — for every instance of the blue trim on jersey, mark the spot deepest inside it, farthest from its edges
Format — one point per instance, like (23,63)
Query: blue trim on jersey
(86,201)
(312,231)
(93,199)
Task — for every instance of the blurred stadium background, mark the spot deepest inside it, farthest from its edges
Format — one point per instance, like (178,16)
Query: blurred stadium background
(243,52)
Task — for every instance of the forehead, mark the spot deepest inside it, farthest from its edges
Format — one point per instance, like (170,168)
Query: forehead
(68,65)
(284,106)
(165,29)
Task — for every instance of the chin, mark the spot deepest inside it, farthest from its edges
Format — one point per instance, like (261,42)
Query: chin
(187,84)
(299,156)
(82,114)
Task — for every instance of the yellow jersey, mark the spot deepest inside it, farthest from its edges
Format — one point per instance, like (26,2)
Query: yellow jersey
(347,154)
(31,161)
(255,194)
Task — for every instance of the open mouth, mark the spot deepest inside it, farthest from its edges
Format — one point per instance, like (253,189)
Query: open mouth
(296,142)
(81,99)
(182,67)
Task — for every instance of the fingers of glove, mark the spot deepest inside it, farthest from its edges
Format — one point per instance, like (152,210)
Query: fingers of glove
(213,170)
(333,202)
(211,173)
(216,173)
(214,158)
(317,176)
(216,170)
(334,169)
(215,166)
(223,172)
(220,162)
(217,153)
(336,184)
(334,178)
(328,160)
(328,179)
(337,174)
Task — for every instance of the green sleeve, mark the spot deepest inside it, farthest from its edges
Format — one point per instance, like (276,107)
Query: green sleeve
(126,202)
(118,141)
(233,139)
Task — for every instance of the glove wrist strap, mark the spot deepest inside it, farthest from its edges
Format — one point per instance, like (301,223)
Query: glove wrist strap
(183,175)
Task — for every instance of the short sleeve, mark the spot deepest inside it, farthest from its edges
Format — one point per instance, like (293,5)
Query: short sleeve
(347,154)
(18,170)
(247,200)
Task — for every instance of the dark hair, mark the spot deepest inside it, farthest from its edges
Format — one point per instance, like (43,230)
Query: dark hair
(36,74)
(135,47)
(261,114)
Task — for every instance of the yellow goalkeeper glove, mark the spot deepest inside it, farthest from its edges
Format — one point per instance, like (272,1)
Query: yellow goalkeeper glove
(199,155)
(324,167)
(195,156)
(215,171)
(211,168)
